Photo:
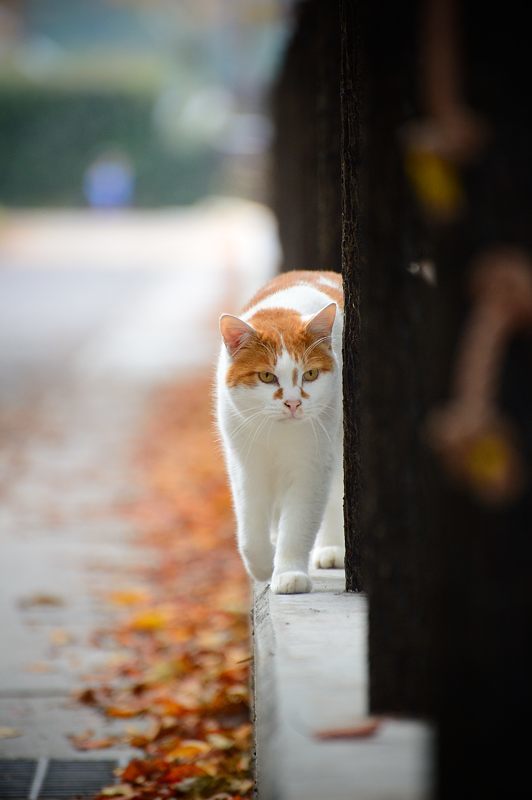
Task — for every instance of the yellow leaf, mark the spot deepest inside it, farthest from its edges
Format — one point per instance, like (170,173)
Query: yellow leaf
(189,748)
(120,790)
(151,620)
(129,597)
(9,733)
(220,741)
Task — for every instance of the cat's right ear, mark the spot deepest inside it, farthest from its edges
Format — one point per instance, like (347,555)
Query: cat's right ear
(235,332)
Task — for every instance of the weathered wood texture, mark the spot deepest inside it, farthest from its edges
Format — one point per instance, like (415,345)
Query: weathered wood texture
(353,265)
(306,153)
(401,364)
(448,579)
(485,644)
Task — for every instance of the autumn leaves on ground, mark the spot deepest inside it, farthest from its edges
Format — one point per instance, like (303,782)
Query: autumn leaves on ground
(182,686)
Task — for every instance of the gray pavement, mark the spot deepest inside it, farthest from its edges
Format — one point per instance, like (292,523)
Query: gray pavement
(95,314)
(311,677)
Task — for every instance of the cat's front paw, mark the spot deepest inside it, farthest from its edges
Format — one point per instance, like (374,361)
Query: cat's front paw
(290,583)
(331,557)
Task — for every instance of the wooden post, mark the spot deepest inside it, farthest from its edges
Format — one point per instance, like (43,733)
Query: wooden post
(306,154)
(448,575)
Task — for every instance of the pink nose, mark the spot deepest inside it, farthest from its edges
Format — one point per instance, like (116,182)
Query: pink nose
(293,405)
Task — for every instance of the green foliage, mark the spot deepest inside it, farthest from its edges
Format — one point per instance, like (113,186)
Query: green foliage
(49,136)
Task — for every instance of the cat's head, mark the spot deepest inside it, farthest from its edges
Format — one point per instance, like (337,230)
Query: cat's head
(281,364)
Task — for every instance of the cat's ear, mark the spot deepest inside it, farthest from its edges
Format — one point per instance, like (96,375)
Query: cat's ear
(235,332)
(320,325)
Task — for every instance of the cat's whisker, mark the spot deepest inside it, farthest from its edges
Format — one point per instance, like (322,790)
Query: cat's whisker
(247,421)
(316,442)
(324,429)
(240,412)
(254,438)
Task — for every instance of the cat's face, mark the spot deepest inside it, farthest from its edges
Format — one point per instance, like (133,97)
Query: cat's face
(281,365)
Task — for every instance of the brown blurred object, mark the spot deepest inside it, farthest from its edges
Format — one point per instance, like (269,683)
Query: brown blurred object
(451,133)
(477,445)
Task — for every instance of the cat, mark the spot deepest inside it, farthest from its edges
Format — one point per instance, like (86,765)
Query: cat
(279,414)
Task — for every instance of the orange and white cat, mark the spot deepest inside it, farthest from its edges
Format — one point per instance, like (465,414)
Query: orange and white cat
(279,410)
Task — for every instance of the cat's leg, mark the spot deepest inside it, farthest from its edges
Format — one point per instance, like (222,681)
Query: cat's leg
(303,510)
(253,513)
(329,550)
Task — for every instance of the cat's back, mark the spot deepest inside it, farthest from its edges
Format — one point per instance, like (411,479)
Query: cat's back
(304,291)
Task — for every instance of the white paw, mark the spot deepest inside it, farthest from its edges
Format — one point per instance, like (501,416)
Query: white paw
(290,583)
(331,557)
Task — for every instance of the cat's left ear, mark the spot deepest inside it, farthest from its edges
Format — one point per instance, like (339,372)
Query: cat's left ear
(320,325)
(235,332)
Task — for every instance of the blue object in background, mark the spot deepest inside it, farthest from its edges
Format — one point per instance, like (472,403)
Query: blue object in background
(109,182)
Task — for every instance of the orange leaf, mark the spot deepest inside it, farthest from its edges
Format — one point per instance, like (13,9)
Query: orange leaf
(122,712)
(85,742)
(178,773)
(189,748)
(151,620)
(367,727)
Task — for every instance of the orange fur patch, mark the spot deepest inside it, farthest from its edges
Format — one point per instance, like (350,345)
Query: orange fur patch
(302,276)
(277,328)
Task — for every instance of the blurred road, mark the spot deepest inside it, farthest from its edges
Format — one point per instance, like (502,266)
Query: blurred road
(96,311)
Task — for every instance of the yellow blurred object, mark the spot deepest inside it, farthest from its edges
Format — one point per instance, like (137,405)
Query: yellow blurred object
(129,597)
(151,620)
(489,460)
(436,182)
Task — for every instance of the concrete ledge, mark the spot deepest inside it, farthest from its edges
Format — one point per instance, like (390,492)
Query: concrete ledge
(310,675)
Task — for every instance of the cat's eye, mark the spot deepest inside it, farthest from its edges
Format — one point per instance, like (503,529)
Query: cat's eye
(311,374)
(267,377)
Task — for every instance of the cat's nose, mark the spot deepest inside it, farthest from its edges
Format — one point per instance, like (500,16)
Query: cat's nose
(293,405)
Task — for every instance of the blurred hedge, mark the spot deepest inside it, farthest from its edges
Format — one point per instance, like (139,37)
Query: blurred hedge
(48,138)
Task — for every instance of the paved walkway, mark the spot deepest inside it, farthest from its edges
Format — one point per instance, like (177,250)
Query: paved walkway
(311,681)
(95,313)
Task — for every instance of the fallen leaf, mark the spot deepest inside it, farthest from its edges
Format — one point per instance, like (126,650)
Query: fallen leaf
(183,648)
(367,727)
(124,712)
(220,741)
(128,597)
(189,749)
(41,599)
(86,741)
(9,733)
(40,666)
(60,637)
(149,620)
(120,790)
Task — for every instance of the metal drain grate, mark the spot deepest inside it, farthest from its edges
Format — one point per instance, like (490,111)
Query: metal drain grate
(25,779)
(16,778)
(68,779)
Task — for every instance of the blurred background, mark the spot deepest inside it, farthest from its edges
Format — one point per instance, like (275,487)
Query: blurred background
(134,209)
(131,102)
(135,142)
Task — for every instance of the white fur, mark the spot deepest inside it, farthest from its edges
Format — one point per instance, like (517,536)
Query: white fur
(286,474)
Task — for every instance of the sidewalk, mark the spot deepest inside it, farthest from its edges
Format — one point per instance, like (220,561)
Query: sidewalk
(314,739)
(96,313)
